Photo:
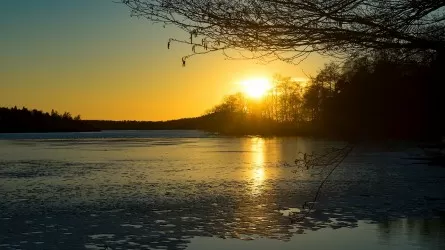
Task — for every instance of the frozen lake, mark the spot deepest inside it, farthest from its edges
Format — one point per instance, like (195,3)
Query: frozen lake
(193,190)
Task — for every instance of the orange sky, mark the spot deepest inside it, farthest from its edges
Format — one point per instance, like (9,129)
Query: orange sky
(92,58)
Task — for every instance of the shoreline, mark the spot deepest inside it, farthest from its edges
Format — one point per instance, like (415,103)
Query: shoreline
(433,142)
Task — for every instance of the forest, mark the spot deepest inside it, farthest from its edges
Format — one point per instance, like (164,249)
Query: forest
(14,120)
(362,97)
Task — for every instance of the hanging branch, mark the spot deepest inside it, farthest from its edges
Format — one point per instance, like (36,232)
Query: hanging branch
(332,158)
(290,30)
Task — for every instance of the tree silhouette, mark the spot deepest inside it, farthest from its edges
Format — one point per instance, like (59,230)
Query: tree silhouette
(25,120)
(374,97)
(291,29)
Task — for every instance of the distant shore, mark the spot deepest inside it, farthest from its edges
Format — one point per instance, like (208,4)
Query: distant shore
(14,120)
(278,131)
(24,120)
(49,131)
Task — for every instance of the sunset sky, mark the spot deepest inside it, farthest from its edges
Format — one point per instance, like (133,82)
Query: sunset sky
(91,58)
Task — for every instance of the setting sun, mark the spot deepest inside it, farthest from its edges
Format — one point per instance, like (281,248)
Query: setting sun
(256,87)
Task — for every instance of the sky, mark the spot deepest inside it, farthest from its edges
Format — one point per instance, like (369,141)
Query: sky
(91,58)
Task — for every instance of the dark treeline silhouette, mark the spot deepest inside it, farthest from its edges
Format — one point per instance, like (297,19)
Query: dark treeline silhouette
(365,97)
(14,120)
(180,124)
(383,97)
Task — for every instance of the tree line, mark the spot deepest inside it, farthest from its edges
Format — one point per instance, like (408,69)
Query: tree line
(194,123)
(26,120)
(367,96)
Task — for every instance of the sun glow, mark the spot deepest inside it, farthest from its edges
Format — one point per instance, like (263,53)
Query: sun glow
(256,87)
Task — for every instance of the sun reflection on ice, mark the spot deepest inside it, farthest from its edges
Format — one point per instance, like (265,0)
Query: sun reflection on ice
(258,171)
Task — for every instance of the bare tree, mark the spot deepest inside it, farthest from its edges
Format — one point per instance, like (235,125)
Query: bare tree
(328,75)
(289,30)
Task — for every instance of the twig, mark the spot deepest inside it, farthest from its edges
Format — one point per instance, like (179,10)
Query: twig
(337,160)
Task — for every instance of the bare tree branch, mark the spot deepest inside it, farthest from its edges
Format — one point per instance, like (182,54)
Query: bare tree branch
(289,30)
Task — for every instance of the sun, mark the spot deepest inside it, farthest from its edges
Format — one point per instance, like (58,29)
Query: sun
(256,87)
